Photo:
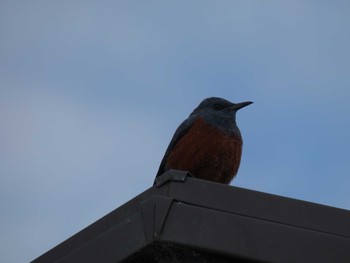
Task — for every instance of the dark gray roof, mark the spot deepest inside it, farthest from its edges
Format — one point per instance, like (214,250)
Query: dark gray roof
(183,219)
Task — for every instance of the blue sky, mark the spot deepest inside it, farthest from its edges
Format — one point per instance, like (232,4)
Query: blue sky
(92,91)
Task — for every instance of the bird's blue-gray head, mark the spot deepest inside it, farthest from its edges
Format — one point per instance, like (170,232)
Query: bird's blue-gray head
(219,107)
(220,113)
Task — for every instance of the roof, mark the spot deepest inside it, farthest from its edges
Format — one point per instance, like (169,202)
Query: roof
(193,219)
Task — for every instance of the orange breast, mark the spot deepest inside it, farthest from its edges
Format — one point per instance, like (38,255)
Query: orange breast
(207,152)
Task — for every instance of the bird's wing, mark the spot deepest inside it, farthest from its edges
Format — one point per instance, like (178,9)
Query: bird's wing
(180,131)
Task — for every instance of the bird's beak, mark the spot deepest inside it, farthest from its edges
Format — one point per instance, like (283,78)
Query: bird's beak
(240,105)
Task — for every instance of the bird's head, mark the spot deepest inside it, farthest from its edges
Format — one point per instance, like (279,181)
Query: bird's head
(218,106)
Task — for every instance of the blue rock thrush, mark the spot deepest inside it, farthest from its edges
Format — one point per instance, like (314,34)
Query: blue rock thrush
(208,144)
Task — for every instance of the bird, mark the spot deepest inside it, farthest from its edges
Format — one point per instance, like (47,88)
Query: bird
(208,144)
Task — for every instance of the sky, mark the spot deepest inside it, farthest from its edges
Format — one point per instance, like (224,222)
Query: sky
(91,93)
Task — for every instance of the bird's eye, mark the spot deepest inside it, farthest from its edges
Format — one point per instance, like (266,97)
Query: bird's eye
(217,106)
